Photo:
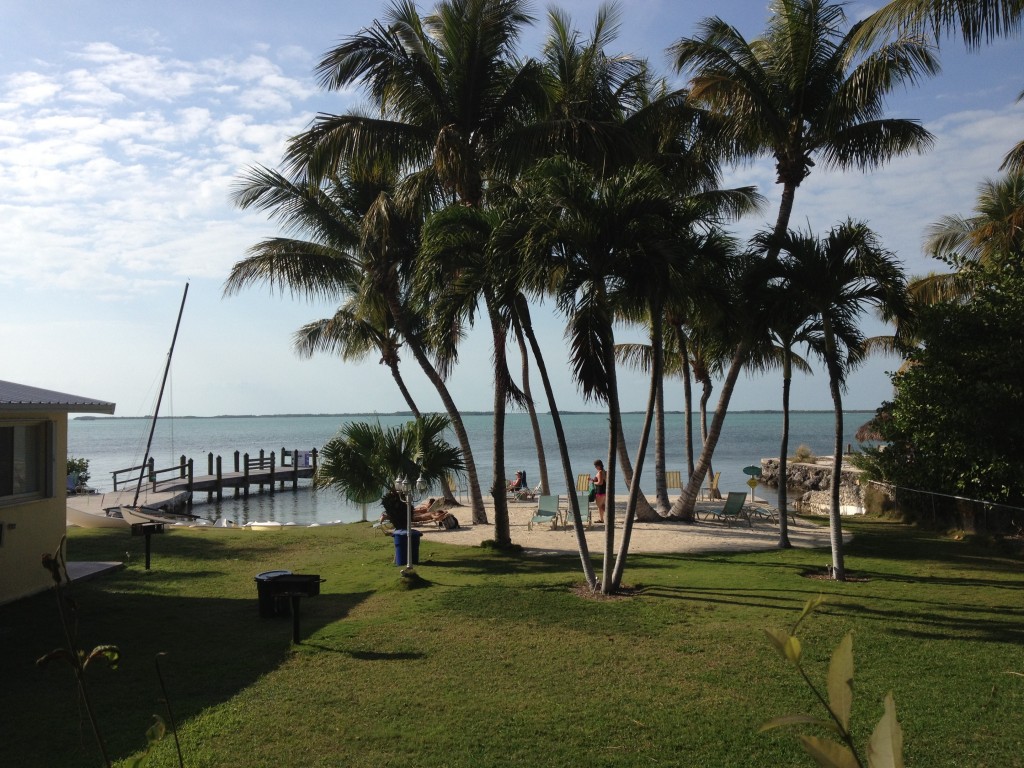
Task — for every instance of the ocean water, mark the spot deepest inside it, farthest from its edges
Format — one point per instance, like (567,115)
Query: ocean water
(111,444)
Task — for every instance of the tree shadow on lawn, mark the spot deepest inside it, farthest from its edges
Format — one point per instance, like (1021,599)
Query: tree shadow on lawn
(216,647)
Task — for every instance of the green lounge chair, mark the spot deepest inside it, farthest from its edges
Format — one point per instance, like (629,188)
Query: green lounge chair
(547,512)
(734,509)
(583,499)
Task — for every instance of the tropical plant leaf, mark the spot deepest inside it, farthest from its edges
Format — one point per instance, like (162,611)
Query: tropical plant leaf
(788,645)
(59,653)
(829,754)
(885,750)
(840,681)
(109,653)
(778,722)
(809,606)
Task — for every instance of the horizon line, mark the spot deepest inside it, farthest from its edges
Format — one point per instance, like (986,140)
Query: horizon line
(89,417)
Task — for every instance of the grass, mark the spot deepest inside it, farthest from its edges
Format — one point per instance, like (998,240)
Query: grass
(496,660)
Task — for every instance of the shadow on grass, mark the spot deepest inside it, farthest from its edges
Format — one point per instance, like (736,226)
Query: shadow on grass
(216,647)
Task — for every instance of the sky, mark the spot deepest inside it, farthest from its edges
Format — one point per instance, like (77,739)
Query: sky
(123,126)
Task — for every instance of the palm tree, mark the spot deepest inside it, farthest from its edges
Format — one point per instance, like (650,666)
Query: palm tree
(352,336)
(359,246)
(802,94)
(451,96)
(363,461)
(603,243)
(978,20)
(995,232)
(789,320)
(838,278)
(461,267)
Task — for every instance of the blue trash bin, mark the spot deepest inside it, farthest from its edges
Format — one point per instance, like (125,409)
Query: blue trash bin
(402,546)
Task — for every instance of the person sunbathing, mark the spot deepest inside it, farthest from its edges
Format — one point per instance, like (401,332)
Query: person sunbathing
(423,511)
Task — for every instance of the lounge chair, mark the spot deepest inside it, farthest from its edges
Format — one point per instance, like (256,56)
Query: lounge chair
(582,498)
(673,479)
(733,510)
(520,491)
(712,492)
(547,512)
(431,514)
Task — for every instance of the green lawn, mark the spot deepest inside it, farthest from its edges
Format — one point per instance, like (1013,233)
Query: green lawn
(497,661)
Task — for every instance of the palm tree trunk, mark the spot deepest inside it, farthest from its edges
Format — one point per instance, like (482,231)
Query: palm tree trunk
(835,518)
(661,492)
(645,513)
(563,452)
(502,532)
(531,408)
(706,389)
(476,498)
(641,451)
(687,399)
(683,508)
(787,379)
(614,419)
(397,376)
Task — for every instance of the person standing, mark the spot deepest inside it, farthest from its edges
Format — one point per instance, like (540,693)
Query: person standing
(600,489)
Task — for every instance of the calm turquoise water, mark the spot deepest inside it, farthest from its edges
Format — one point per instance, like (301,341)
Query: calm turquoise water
(112,444)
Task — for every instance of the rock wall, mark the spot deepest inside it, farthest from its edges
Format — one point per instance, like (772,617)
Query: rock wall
(812,483)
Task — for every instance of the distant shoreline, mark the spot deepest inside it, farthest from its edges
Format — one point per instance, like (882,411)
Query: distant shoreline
(410,415)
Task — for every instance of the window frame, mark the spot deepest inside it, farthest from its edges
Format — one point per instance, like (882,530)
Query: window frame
(44,455)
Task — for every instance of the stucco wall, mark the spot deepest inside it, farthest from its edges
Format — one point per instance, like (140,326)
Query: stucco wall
(34,527)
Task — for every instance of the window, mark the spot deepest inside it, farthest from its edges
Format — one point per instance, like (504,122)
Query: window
(23,466)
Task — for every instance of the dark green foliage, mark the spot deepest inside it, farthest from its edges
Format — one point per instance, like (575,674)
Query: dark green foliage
(956,424)
(81,466)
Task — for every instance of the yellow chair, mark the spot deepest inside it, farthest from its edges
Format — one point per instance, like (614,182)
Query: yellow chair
(456,484)
(673,479)
(712,491)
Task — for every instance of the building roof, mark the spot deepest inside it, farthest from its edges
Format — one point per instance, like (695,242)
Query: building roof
(21,397)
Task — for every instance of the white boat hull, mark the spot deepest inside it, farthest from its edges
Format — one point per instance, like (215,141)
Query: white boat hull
(135,515)
(83,519)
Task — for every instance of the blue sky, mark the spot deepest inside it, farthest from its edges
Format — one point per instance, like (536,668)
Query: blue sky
(123,125)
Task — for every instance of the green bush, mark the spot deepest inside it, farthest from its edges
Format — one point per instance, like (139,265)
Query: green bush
(81,466)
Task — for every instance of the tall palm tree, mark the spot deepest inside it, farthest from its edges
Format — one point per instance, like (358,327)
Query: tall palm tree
(358,246)
(801,94)
(462,268)
(603,243)
(451,97)
(839,277)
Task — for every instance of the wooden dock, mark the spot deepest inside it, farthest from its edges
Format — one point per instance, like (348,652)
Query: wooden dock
(262,471)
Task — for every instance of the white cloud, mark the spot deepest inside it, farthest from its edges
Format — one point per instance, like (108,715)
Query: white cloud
(31,88)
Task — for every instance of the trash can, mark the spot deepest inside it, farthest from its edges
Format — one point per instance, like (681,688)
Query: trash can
(402,546)
(271,605)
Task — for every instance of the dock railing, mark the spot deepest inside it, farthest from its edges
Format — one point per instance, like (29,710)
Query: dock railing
(261,469)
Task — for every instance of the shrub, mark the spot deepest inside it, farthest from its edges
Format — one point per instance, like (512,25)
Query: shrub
(804,455)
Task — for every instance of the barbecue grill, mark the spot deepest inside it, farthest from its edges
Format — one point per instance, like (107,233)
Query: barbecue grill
(280,591)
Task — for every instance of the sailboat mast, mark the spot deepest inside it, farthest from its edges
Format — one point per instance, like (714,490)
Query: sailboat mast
(160,397)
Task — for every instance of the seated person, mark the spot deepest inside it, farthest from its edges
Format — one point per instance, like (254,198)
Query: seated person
(518,484)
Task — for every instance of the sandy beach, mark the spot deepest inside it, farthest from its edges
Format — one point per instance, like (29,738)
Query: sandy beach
(666,536)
